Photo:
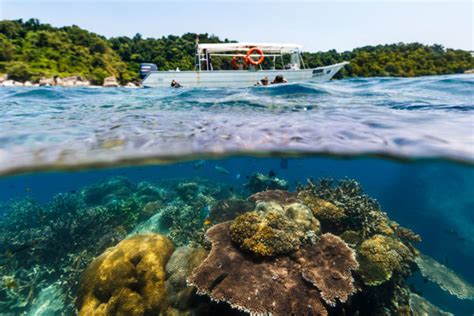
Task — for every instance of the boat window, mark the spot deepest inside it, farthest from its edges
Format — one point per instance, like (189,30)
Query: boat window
(328,71)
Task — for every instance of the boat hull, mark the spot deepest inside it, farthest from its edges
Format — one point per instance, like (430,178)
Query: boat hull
(236,78)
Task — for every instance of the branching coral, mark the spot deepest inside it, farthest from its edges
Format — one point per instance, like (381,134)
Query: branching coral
(128,279)
(228,209)
(345,204)
(275,286)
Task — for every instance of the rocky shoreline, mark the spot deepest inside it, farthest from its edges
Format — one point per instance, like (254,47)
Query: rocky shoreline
(71,81)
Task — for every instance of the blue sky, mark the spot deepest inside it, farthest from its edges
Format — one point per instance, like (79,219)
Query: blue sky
(318,25)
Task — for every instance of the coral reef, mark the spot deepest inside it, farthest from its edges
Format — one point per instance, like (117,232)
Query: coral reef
(379,256)
(273,230)
(262,286)
(355,210)
(327,248)
(258,182)
(328,265)
(128,279)
(183,260)
(228,209)
(446,279)
(279,196)
(323,210)
(421,307)
(181,222)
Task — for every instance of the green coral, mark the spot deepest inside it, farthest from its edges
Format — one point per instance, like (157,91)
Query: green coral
(272,230)
(379,256)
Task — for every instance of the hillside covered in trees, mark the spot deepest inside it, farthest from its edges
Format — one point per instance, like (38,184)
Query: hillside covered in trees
(30,50)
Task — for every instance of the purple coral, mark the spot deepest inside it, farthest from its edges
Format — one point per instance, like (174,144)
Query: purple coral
(275,286)
(327,265)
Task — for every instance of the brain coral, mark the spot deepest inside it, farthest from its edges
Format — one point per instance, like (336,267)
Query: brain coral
(128,279)
(379,256)
(272,230)
(275,286)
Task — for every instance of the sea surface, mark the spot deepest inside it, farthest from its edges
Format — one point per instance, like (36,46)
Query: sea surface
(409,143)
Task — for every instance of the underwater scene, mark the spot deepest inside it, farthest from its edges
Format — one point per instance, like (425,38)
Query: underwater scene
(353,197)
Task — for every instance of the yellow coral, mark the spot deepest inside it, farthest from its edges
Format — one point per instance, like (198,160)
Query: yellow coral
(272,230)
(322,209)
(379,256)
(128,279)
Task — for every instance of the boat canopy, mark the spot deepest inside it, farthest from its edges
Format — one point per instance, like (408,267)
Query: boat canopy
(281,48)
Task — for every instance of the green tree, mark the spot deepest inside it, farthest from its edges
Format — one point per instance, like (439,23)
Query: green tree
(19,71)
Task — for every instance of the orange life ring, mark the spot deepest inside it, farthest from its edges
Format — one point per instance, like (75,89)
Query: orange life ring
(234,60)
(249,59)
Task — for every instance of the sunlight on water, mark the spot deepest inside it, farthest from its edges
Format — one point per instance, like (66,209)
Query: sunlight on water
(420,117)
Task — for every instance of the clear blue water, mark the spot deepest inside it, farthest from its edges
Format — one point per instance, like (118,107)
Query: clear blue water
(357,128)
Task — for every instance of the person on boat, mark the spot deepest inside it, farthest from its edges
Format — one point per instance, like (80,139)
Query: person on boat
(175,84)
(279,79)
(262,82)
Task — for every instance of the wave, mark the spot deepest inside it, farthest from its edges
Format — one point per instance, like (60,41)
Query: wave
(409,118)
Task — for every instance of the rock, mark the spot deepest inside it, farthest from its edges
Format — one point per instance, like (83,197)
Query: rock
(82,83)
(8,83)
(131,85)
(47,82)
(110,82)
(128,279)
(28,84)
(18,84)
(3,78)
(72,81)
(469,71)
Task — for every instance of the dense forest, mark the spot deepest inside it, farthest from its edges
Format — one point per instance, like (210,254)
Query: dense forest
(30,50)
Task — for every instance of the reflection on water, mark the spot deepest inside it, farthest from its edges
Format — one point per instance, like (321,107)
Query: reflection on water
(416,117)
(398,235)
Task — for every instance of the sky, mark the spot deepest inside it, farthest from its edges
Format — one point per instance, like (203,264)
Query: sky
(318,25)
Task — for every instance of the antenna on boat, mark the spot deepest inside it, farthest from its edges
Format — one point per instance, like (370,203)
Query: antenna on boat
(198,55)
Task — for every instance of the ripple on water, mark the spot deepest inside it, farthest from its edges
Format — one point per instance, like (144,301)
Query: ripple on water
(427,117)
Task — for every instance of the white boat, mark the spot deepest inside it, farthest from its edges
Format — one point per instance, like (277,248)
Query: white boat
(248,61)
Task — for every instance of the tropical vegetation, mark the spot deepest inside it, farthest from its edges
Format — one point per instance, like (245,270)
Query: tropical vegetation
(30,50)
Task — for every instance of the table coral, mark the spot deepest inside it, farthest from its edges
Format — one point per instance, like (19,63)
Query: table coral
(280,196)
(128,279)
(276,286)
(327,265)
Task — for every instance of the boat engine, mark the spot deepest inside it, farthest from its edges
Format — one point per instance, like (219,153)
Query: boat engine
(146,68)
